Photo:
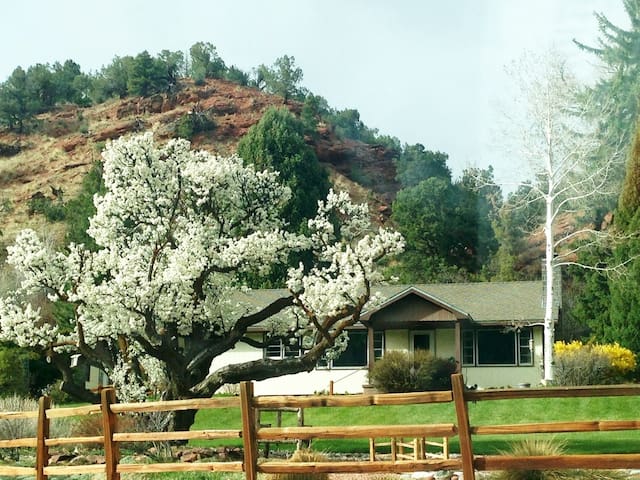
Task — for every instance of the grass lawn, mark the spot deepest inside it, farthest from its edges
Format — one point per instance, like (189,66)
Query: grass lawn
(480,413)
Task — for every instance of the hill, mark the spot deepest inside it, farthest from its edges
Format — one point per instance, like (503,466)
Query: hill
(55,157)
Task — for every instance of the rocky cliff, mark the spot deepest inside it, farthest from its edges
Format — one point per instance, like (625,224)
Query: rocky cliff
(56,156)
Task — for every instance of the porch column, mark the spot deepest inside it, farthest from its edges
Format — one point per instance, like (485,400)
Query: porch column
(458,345)
(371,355)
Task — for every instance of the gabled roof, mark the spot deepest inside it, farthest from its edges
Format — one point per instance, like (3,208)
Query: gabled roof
(392,298)
(483,302)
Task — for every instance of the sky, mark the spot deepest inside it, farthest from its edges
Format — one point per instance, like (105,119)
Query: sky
(425,71)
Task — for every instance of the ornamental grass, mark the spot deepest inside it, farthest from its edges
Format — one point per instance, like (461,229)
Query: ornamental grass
(533,447)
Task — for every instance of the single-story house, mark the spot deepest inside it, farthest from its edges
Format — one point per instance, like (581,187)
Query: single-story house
(494,330)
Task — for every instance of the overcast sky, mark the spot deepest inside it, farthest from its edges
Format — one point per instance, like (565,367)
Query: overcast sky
(425,71)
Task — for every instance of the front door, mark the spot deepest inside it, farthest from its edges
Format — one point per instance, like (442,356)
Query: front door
(422,341)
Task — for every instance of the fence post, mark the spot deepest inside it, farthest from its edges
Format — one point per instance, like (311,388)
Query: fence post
(42,451)
(249,431)
(109,422)
(464,430)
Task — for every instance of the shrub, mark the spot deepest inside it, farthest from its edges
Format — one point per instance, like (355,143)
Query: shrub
(582,367)
(622,360)
(18,427)
(14,370)
(9,150)
(411,372)
(591,364)
(91,425)
(53,210)
(193,123)
(299,456)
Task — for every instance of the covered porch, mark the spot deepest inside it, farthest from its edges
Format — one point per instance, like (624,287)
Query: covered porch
(414,320)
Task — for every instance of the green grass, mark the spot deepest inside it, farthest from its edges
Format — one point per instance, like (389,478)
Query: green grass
(480,413)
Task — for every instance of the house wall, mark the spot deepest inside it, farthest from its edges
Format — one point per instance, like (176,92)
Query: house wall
(396,340)
(346,380)
(410,309)
(484,377)
(351,380)
(497,376)
(97,378)
(445,343)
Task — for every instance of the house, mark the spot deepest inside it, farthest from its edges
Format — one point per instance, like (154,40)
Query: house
(494,330)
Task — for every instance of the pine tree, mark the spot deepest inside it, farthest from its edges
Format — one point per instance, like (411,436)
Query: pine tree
(617,92)
(277,143)
(625,290)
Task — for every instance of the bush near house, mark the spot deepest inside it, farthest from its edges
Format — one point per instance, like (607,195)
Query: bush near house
(420,371)
(592,364)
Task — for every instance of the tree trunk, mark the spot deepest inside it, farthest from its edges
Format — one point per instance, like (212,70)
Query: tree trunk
(183,419)
(548,266)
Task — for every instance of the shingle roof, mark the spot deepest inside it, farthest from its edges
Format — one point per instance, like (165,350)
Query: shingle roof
(484,302)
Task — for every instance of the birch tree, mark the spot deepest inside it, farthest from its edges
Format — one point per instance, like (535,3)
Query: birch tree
(162,297)
(558,142)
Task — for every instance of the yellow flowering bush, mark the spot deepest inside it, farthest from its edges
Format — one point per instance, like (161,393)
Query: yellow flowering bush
(592,363)
(622,359)
(563,348)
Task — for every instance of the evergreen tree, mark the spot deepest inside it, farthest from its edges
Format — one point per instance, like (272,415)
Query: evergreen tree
(172,65)
(41,87)
(236,75)
(416,164)
(618,91)
(146,76)
(518,217)
(205,62)
(277,143)
(71,85)
(113,80)
(624,325)
(81,208)
(16,106)
(283,79)
(480,194)
(447,230)
(587,299)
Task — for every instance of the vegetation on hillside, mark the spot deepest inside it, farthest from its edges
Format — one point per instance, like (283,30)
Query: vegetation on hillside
(456,229)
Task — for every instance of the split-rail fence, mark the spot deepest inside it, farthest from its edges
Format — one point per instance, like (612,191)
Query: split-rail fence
(252,433)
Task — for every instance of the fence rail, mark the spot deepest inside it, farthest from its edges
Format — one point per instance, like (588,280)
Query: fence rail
(252,432)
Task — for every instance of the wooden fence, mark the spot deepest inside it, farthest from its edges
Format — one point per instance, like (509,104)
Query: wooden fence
(252,433)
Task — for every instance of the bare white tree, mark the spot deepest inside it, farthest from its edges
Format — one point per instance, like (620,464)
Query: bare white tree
(557,140)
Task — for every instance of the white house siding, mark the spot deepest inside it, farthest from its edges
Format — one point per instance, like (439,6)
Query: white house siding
(346,380)
(501,377)
(316,381)
(445,343)
(239,354)
(396,340)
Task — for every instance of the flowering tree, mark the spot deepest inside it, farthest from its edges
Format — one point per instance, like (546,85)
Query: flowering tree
(177,231)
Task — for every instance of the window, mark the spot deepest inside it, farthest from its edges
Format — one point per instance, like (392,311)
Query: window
(468,348)
(497,347)
(378,344)
(525,347)
(420,341)
(356,353)
(279,349)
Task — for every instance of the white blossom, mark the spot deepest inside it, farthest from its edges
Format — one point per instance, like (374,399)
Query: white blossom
(177,230)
